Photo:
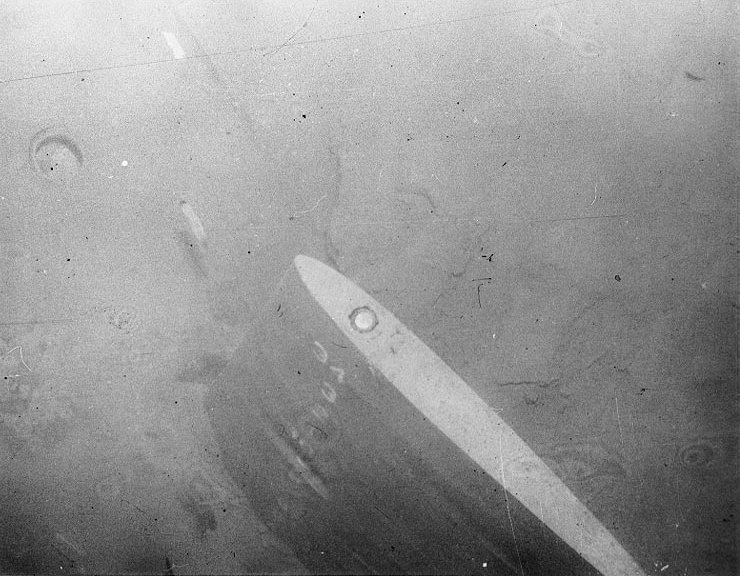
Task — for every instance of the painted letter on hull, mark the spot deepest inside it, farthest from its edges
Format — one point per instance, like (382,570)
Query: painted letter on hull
(366,453)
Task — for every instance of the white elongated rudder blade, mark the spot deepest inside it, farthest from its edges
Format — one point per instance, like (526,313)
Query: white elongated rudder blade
(465,418)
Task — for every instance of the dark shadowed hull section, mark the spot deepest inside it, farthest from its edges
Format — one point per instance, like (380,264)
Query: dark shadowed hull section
(350,474)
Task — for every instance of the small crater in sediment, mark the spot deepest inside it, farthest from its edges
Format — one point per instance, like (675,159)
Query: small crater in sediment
(55,155)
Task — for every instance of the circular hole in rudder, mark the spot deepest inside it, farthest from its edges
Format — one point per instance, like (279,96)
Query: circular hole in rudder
(363,319)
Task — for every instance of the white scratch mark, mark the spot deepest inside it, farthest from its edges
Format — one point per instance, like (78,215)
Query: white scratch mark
(636,447)
(619,422)
(174,45)
(542,516)
(506,499)
(377,182)
(678,502)
(294,34)
(319,201)
(20,353)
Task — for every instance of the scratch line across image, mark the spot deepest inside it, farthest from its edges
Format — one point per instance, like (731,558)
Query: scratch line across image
(337,37)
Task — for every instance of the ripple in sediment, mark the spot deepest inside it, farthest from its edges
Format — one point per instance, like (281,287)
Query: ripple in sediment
(55,155)
(697,455)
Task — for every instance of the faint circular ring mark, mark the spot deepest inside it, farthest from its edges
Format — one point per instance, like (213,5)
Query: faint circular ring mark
(697,455)
(55,155)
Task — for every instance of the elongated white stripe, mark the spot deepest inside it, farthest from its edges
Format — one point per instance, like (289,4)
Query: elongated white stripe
(465,418)
(174,45)
(194,222)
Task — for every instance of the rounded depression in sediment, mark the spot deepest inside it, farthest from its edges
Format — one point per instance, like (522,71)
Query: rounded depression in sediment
(55,156)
